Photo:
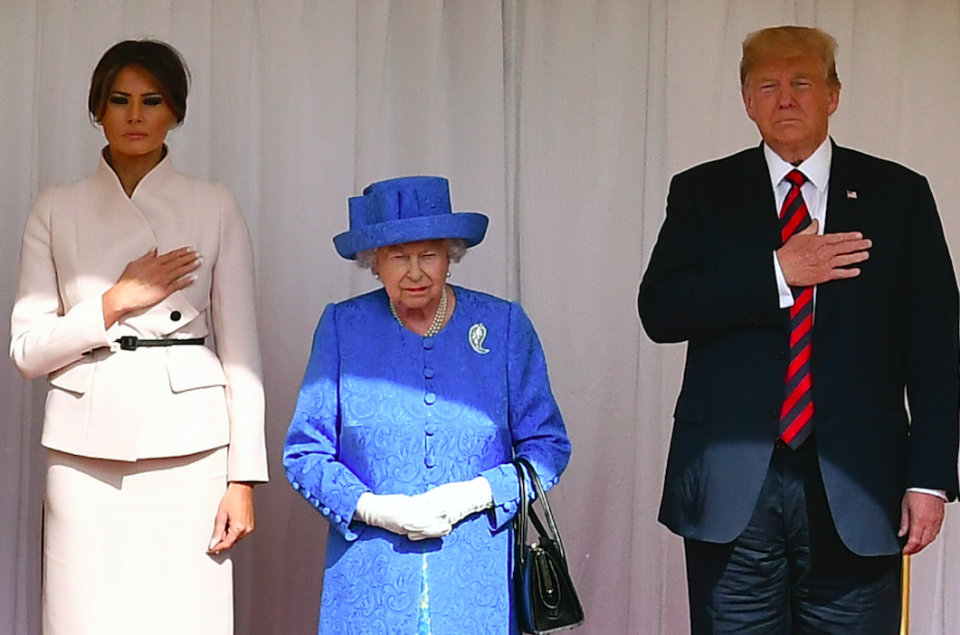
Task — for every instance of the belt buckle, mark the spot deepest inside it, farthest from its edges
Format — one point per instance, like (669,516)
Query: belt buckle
(128,342)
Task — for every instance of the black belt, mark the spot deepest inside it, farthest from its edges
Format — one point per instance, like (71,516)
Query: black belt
(132,342)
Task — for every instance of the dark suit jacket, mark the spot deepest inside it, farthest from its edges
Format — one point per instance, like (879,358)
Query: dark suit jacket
(891,331)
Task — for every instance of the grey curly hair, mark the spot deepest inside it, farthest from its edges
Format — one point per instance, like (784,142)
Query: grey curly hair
(456,249)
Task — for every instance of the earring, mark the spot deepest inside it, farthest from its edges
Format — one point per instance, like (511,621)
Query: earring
(448,274)
(376,275)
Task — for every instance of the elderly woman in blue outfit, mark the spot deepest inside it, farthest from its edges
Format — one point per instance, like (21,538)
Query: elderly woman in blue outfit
(416,399)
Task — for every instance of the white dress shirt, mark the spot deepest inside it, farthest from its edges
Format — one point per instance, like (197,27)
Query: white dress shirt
(817,170)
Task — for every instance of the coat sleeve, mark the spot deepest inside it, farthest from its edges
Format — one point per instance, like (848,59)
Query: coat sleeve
(234,322)
(536,426)
(931,345)
(45,337)
(311,450)
(686,294)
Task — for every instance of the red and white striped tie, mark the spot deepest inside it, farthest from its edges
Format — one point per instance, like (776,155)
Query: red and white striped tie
(796,414)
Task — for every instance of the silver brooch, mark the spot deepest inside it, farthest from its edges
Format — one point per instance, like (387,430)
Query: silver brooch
(478,333)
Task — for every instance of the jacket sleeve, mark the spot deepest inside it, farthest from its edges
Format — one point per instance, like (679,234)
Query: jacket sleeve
(931,345)
(234,324)
(45,337)
(686,293)
(536,425)
(311,450)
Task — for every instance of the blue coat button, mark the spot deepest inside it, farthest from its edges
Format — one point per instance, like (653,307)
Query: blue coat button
(430,460)
(429,372)
(428,343)
(430,398)
(431,429)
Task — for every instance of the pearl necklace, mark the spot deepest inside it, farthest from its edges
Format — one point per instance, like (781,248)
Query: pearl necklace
(438,319)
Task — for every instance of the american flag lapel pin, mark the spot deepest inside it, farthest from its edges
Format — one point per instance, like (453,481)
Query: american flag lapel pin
(852,194)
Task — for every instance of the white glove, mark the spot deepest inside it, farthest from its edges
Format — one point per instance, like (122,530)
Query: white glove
(401,514)
(456,501)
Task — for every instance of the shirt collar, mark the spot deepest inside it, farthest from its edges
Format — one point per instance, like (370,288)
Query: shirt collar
(151,181)
(816,168)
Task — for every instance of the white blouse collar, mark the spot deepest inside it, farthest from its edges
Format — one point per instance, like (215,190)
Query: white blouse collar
(150,181)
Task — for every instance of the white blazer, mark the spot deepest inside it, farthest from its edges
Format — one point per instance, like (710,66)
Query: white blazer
(109,403)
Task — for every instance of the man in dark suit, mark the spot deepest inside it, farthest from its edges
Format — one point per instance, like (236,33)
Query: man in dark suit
(796,473)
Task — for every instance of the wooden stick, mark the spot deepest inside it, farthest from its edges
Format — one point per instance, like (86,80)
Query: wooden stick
(905,597)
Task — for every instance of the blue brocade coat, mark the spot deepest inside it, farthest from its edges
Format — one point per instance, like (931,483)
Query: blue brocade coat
(384,410)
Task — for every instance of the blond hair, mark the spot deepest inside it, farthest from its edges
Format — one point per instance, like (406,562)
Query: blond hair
(789,42)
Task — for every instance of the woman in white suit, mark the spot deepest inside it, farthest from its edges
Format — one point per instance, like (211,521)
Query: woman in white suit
(154,439)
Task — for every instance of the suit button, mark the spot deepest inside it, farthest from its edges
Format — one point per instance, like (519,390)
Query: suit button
(175,316)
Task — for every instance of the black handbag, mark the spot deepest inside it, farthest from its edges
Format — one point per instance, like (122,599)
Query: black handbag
(544,595)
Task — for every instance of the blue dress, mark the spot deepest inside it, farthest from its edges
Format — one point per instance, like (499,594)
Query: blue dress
(387,411)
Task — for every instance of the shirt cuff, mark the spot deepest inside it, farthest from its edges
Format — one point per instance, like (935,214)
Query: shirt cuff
(783,289)
(933,492)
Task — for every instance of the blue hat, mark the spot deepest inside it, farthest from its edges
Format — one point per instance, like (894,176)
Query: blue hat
(406,210)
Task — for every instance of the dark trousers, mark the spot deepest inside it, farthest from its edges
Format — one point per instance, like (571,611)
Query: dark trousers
(789,573)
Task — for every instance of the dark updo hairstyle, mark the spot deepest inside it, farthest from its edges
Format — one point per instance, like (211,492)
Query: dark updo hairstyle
(163,62)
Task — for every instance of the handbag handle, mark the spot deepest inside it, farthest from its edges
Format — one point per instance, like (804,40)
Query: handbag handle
(525,507)
(520,530)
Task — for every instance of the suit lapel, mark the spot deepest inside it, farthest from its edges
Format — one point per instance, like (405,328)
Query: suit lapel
(106,232)
(842,216)
(757,202)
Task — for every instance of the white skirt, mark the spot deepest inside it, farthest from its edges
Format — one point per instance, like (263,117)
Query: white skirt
(125,547)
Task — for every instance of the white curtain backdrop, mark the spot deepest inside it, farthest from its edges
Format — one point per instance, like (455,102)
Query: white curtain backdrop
(561,119)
